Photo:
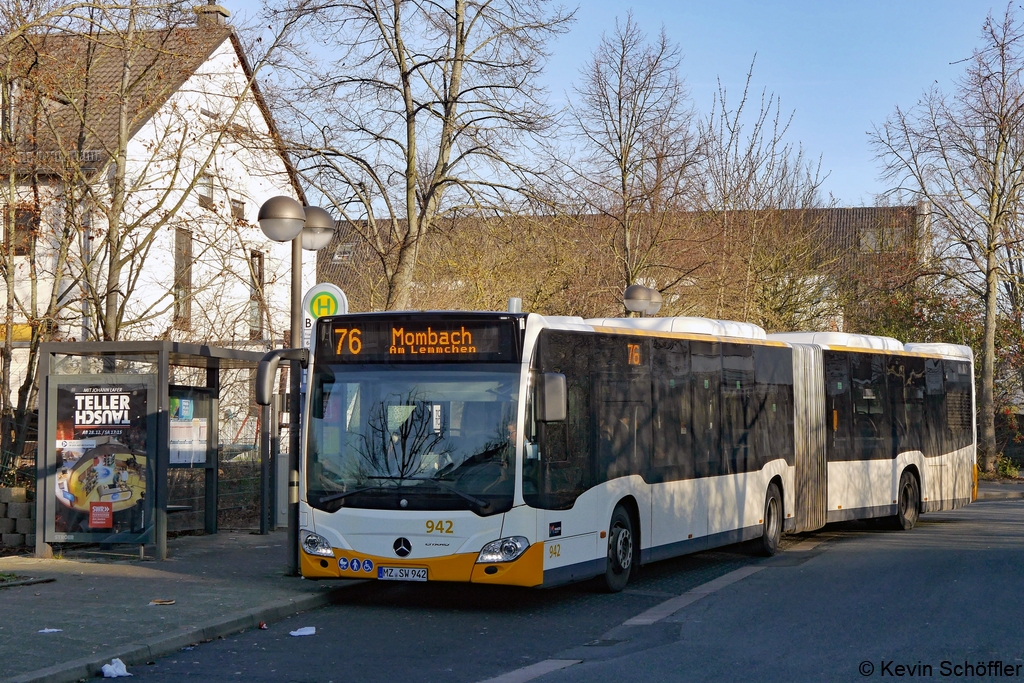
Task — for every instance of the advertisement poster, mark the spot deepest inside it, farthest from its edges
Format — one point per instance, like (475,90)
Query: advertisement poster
(102,467)
(189,429)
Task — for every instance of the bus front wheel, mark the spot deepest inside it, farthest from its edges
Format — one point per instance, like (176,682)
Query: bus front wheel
(621,550)
(771,532)
(907,510)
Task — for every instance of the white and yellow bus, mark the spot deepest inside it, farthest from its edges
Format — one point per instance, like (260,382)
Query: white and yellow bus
(528,450)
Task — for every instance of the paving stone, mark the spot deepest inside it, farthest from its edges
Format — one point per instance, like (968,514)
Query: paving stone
(12,540)
(21,510)
(6,525)
(24,526)
(13,495)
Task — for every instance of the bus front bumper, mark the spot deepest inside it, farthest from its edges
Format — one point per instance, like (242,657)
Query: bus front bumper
(526,570)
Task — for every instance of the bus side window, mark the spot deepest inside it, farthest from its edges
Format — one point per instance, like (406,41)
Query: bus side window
(705,385)
(872,430)
(838,412)
(906,389)
(672,453)
(935,408)
(773,409)
(560,471)
(621,408)
(959,407)
(738,409)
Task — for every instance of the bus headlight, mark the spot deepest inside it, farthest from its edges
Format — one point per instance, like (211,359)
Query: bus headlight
(315,544)
(503,550)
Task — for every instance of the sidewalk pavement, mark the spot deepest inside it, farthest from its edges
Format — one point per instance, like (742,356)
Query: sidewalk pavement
(1000,489)
(220,584)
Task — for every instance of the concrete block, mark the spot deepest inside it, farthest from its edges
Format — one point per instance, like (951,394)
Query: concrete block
(30,540)
(20,510)
(24,526)
(12,540)
(3,509)
(12,495)
(6,525)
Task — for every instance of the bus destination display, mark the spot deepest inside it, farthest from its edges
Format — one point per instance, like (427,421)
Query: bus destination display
(404,341)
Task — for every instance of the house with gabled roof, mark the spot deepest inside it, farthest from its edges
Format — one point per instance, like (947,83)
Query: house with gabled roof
(139,156)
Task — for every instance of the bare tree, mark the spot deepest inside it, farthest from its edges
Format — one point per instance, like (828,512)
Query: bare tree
(135,146)
(964,153)
(103,149)
(418,116)
(34,251)
(640,149)
(765,261)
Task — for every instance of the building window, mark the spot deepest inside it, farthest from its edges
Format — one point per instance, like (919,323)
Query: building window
(204,191)
(238,210)
(256,282)
(24,225)
(344,253)
(182,279)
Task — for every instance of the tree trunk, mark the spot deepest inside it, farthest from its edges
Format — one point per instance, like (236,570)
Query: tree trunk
(986,405)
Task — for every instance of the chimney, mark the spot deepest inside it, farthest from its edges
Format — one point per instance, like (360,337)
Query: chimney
(211,14)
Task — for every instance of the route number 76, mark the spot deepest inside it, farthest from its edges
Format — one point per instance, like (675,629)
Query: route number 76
(355,341)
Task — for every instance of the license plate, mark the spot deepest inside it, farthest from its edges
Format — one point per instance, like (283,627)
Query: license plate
(401,574)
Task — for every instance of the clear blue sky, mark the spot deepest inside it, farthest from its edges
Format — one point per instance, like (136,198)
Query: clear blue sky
(840,67)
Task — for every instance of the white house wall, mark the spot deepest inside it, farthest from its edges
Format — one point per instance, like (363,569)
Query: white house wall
(161,173)
(221,246)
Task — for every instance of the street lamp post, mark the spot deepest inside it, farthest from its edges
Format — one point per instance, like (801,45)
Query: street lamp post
(283,219)
(642,300)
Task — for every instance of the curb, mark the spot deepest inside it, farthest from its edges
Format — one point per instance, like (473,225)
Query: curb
(1000,495)
(133,654)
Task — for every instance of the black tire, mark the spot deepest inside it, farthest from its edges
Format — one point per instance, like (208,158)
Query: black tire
(771,530)
(622,551)
(908,507)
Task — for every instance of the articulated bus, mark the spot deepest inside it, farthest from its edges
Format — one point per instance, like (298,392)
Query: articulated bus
(519,449)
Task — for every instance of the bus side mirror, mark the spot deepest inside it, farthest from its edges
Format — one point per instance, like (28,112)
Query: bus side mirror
(267,370)
(551,397)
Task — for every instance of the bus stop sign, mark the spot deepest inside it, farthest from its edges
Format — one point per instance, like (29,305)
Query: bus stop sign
(321,300)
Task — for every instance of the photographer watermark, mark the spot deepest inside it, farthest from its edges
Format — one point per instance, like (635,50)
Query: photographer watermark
(891,668)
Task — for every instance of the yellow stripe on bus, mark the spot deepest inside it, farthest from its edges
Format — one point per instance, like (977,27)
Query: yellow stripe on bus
(695,336)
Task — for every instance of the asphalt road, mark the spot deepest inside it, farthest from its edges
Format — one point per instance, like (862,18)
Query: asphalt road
(862,601)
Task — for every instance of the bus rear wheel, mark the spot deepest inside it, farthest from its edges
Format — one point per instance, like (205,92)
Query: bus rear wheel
(908,507)
(621,550)
(771,532)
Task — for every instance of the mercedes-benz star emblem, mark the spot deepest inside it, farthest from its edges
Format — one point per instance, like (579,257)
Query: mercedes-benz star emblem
(402,547)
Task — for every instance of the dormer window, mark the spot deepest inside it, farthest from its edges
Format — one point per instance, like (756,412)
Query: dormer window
(344,253)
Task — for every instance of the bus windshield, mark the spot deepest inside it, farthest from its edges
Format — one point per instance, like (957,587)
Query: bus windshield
(430,437)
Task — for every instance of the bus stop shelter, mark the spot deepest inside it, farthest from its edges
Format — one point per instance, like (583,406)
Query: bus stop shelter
(112,426)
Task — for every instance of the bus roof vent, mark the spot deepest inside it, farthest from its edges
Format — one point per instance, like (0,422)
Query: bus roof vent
(947,350)
(854,341)
(717,328)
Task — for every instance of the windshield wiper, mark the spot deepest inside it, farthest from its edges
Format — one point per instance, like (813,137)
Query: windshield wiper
(440,484)
(344,494)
